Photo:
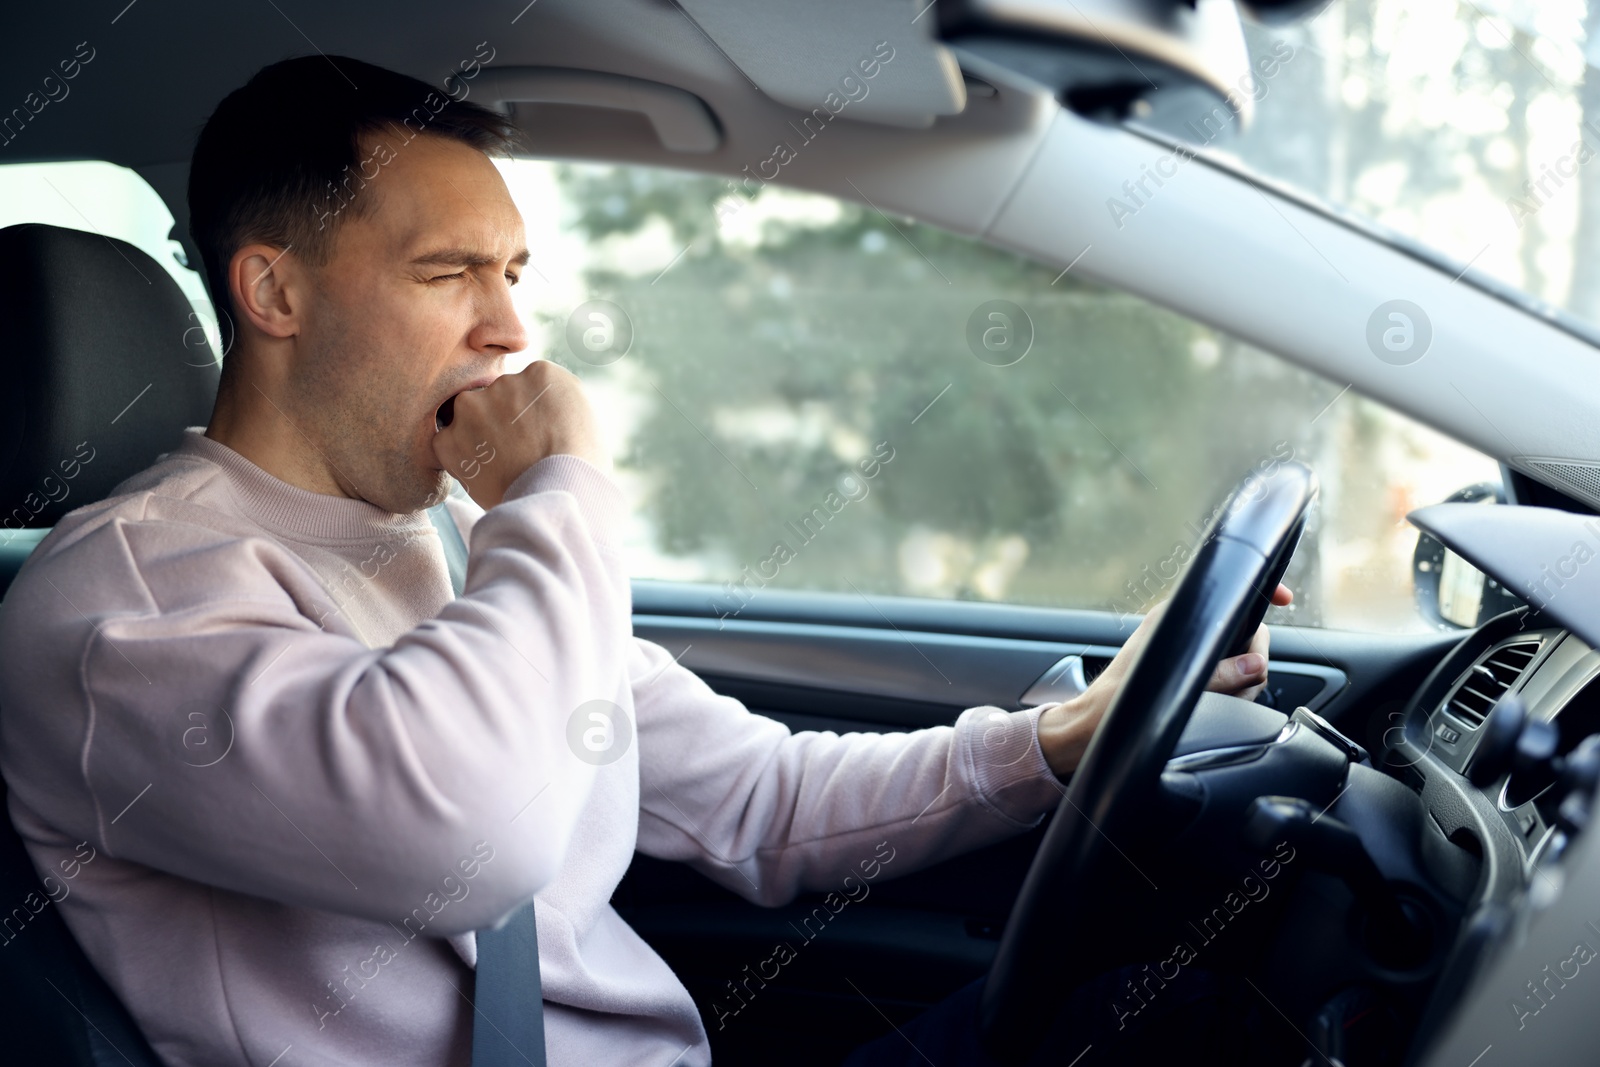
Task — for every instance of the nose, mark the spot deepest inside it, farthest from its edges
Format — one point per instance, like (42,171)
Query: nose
(499,329)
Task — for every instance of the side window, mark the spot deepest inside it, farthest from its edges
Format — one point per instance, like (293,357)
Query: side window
(107,199)
(806,394)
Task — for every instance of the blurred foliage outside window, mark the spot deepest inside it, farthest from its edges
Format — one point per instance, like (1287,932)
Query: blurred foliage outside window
(782,347)
(1472,126)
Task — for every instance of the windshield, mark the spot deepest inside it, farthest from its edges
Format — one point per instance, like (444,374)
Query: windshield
(1470,127)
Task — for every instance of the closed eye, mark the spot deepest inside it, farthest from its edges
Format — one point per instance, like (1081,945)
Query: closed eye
(447,277)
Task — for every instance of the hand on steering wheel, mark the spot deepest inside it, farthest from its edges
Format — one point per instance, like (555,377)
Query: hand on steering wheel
(1066,729)
(1063,927)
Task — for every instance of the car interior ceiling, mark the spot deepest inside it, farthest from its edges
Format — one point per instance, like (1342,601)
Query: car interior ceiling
(654,43)
(1379,706)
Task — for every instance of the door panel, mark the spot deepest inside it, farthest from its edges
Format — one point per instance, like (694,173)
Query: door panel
(900,661)
(932,668)
(840,662)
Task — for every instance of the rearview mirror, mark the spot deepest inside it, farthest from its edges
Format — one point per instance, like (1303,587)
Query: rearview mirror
(1451,593)
(1178,67)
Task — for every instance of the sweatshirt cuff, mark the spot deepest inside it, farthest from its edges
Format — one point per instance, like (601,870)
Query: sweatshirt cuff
(1009,772)
(599,500)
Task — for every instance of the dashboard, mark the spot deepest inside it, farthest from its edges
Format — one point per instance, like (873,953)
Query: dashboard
(1545,653)
(1537,875)
(1557,675)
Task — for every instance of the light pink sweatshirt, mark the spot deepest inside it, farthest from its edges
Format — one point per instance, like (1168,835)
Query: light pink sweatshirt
(276,775)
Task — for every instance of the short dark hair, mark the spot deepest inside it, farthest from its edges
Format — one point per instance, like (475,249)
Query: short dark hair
(280,159)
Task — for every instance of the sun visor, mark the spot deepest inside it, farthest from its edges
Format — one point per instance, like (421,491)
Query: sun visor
(681,121)
(867,60)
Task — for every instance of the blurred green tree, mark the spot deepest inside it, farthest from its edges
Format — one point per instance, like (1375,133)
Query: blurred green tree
(771,366)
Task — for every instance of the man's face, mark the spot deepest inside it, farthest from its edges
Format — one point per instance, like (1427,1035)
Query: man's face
(413,306)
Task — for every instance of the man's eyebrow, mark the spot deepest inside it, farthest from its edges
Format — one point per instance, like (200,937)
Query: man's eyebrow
(466,257)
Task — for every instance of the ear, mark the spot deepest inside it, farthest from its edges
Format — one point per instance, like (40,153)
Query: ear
(265,283)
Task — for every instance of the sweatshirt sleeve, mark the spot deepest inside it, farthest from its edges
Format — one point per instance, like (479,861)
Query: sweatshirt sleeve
(169,697)
(769,814)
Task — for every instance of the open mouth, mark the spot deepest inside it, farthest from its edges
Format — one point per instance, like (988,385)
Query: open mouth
(446,412)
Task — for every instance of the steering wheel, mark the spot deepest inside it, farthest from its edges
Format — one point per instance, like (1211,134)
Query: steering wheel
(1051,942)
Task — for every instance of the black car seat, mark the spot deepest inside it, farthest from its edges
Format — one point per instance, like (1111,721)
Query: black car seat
(104,368)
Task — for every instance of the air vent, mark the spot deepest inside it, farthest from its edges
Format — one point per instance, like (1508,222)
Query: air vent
(1490,679)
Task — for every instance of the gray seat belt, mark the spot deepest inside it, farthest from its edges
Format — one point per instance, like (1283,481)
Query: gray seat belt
(455,549)
(507,1002)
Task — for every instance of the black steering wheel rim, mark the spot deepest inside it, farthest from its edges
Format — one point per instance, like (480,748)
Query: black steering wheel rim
(1215,608)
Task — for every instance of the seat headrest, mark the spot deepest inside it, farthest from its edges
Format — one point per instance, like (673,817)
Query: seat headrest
(103,370)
